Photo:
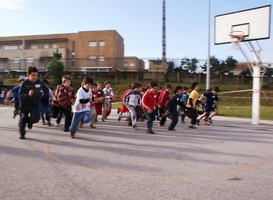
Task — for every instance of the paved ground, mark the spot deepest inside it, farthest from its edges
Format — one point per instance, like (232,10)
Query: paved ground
(230,159)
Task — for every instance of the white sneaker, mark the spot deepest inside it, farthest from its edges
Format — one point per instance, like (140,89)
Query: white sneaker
(56,124)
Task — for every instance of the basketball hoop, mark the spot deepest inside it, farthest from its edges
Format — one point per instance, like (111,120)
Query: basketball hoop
(235,38)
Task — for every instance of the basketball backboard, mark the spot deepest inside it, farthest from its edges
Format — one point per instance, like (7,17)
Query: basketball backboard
(255,23)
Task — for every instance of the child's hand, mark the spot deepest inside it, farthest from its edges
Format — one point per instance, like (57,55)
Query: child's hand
(30,93)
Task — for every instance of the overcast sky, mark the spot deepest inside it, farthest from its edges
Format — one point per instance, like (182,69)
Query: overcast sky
(139,22)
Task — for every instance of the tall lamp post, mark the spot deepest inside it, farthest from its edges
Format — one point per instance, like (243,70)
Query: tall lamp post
(208,59)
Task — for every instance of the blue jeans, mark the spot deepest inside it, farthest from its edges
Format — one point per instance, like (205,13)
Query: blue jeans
(83,117)
(150,117)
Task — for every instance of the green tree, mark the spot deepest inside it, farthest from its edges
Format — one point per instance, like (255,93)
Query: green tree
(221,67)
(189,64)
(214,65)
(56,68)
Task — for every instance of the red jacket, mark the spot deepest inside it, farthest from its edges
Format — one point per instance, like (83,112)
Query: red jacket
(163,98)
(148,100)
(62,97)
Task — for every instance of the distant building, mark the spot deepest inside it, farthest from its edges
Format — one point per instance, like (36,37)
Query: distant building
(86,51)
(239,68)
(158,66)
(132,63)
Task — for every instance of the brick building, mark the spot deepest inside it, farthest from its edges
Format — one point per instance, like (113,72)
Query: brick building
(86,51)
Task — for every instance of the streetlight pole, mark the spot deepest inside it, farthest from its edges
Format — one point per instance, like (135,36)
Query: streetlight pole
(208,59)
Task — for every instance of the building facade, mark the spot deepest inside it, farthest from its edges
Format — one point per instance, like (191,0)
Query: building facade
(86,51)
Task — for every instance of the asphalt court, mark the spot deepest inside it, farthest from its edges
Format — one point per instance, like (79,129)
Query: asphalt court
(229,149)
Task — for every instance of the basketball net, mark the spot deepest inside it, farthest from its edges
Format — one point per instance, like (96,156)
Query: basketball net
(235,38)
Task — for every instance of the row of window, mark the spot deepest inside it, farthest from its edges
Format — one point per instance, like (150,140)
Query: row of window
(31,60)
(47,46)
(20,47)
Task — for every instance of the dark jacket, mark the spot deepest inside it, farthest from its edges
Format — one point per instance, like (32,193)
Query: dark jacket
(40,93)
(173,102)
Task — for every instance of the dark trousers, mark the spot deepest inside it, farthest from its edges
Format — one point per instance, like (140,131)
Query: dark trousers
(67,113)
(173,115)
(163,117)
(16,108)
(150,117)
(28,115)
(192,114)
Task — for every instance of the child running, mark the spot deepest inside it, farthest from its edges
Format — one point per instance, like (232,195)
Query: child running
(191,104)
(210,110)
(81,108)
(148,104)
(171,107)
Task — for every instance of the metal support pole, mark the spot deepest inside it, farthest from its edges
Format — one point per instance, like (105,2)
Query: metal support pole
(208,60)
(256,90)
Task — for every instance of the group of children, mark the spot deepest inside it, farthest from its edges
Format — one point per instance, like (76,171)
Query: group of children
(37,99)
(33,98)
(160,105)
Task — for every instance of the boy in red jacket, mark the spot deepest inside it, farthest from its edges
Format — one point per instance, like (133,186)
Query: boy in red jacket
(148,104)
(162,100)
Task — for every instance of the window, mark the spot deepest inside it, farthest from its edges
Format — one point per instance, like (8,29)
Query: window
(92,44)
(92,58)
(16,60)
(132,64)
(54,46)
(34,46)
(101,58)
(101,43)
(4,60)
(45,46)
(11,47)
(30,60)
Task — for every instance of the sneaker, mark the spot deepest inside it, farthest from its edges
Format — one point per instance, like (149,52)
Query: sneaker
(206,119)
(49,123)
(119,117)
(44,123)
(198,122)
(210,120)
(183,122)
(172,129)
(93,126)
(102,120)
(22,137)
(134,127)
(72,136)
(56,124)
(29,125)
(160,125)
(66,130)
(192,126)
(150,132)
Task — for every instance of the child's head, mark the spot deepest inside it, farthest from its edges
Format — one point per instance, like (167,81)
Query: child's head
(153,86)
(66,80)
(87,82)
(215,89)
(107,84)
(94,87)
(46,82)
(168,87)
(185,89)
(178,90)
(136,86)
(32,73)
(195,86)
(99,85)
